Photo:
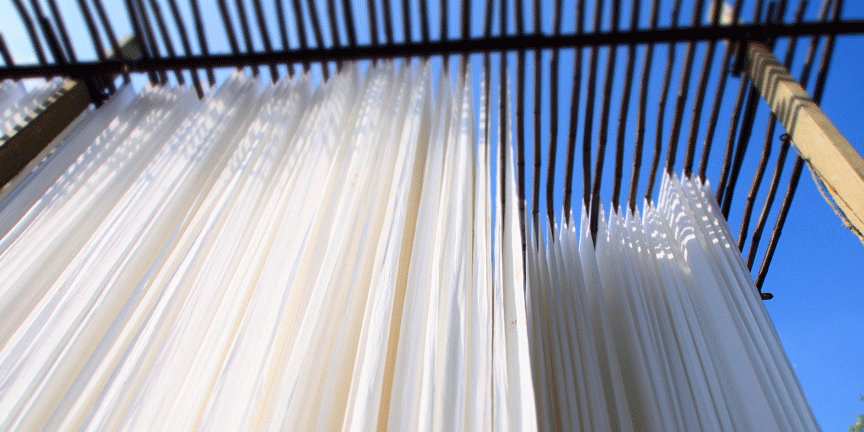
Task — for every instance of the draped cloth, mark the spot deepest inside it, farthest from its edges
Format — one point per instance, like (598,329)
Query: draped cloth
(342,256)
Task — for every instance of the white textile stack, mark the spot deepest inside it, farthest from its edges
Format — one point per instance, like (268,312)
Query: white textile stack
(290,257)
(659,327)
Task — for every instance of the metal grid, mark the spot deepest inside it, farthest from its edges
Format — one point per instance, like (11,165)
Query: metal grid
(640,36)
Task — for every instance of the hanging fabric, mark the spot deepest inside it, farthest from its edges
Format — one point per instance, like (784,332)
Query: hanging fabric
(342,257)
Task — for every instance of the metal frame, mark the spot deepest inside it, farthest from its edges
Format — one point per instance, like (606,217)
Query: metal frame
(748,49)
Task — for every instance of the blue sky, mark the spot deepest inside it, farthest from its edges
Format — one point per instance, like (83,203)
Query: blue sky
(817,275)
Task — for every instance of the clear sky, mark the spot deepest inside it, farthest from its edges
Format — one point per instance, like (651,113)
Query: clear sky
(817,275)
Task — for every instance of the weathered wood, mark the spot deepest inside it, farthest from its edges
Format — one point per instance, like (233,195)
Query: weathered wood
(48,120)
(828,153)
(35,131)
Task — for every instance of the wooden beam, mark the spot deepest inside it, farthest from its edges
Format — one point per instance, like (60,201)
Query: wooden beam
(48,120)
(40,127)
(828,153)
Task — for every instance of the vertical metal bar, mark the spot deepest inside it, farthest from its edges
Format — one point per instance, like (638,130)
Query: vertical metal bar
(718,98)
(643,104)
(4,51)
(373,21)
(51,38)
(187,46)
(91,27)
(38,15)
(388,22)
(229,27)
(683,90)
(166,37)
(520,120)
(625,107)
(247,33)
(316,31)
(733,126)
(553,123)
(766,148)
(574,116)
(502,114)
(799,161)
(301,30)
(61,27)
(132,10)
(690,155)
(282,23)
(109,31)
(95,93)
(202,38)
(349,23)
(538,96)
(406,20)
(265,36)
(746,128)
(334,29)
(424,21)
(589,110)
(604,125)
(31,30)
(658,141)
(443,27)
(769,200)
(149,35)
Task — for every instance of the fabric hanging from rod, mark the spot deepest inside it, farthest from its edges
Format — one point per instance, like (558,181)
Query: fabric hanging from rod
(295,257)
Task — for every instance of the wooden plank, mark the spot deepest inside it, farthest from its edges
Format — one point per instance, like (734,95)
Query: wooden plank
(828,153)
(40,127)
(48,120)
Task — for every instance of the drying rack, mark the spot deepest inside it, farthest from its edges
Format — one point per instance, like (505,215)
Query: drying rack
(170,37)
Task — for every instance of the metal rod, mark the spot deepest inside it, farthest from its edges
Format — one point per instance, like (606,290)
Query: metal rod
(769,200)
(625,107)
(424,21)
(246,32)
(187,46)
(406,20)
(690,155)
(4,51)
(683,91)
(349,23)
(319,37)
(733,126)
(109,31)
(574,116)
(149,35)
(766,148)
(31,30)
(61,27)
(166,37)
(497,43)
(746,132)
(643,104)
(131,9)
(373,21)
(538,96)
(520,122)
(301,28)
(282,23)
(553,123)
(718,98)
(589,111)
(661,114)
(604,126)
(202,38)
(265,35)
(388,22)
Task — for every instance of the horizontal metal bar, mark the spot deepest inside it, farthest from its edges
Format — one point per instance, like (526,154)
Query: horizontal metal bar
(499,43)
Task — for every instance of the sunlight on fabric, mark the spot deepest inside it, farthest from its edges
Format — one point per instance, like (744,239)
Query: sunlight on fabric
(291,257)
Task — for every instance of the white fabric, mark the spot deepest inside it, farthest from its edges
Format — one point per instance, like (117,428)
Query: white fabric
(286,257)
(662,329)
